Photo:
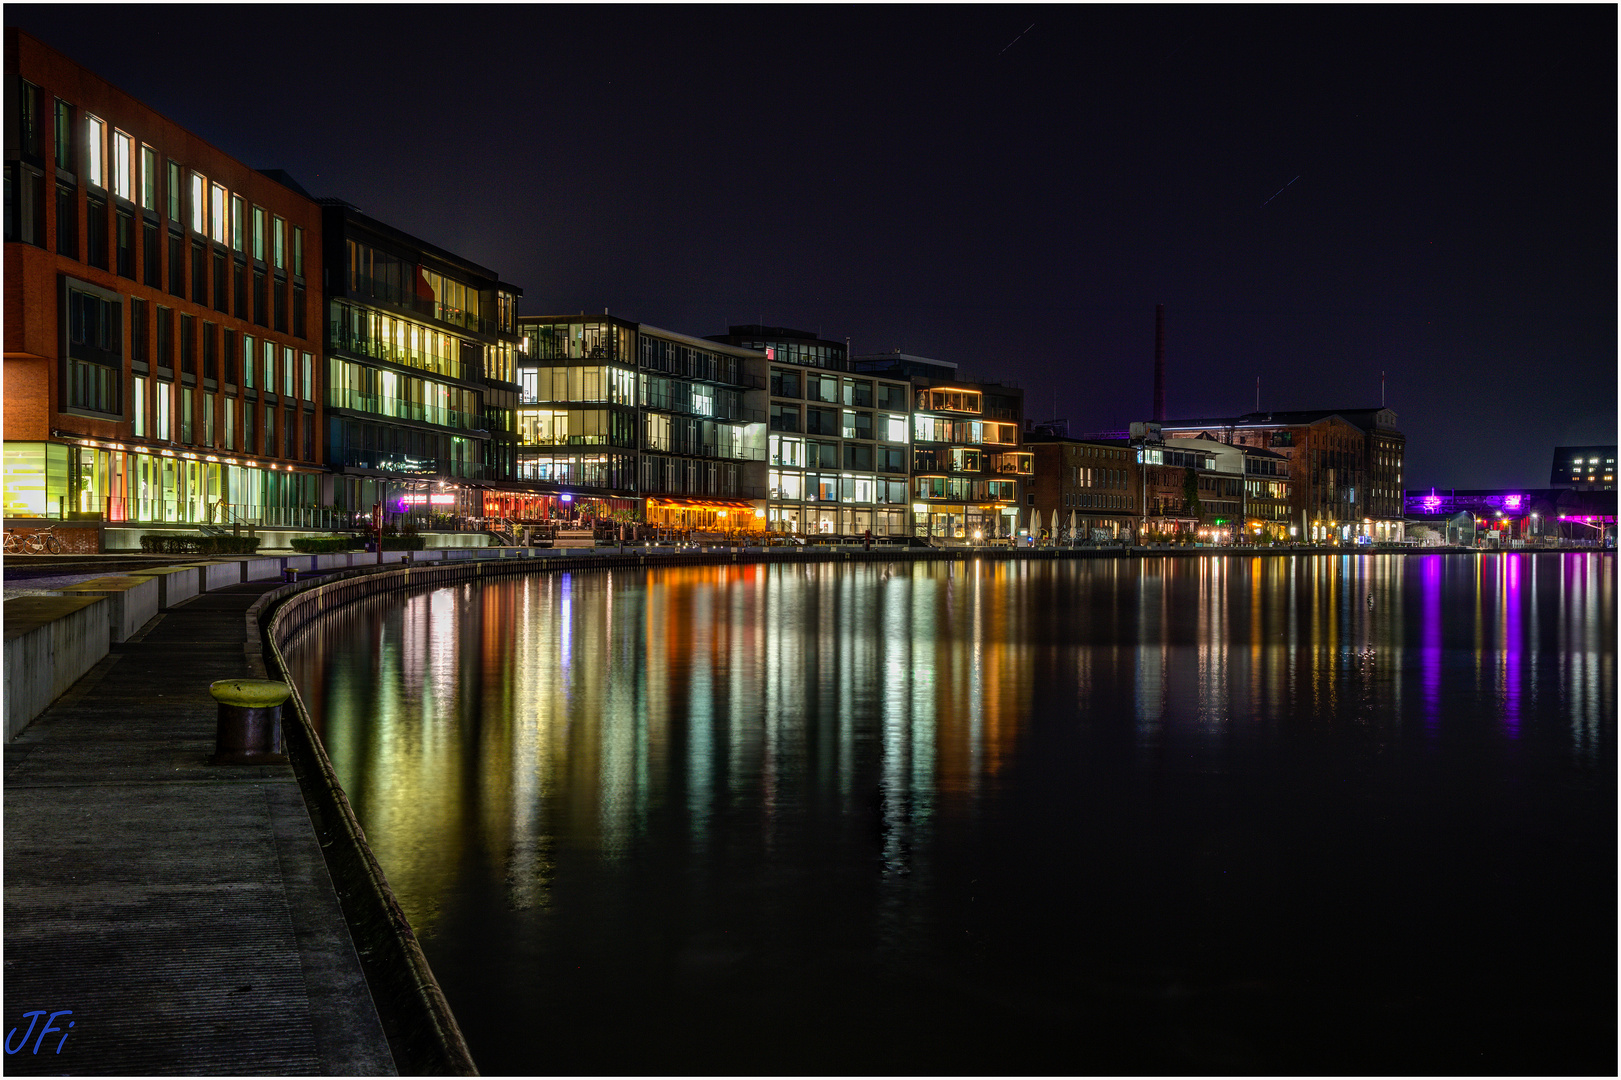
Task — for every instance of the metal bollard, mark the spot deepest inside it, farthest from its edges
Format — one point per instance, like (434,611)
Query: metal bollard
(289,575)
(249,730)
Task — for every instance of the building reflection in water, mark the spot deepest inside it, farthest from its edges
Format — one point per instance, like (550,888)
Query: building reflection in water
(497,740)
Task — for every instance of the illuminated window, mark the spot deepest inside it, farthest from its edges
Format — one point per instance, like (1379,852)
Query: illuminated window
(298,251)
(258,234)
(216,213)
(174,193)
(149,178)
(139,406)
(236,223)
(199,203)
(308,363)
(96,135)
(289,374)
(123,165)
(165,396)
(248,361)
(280,227)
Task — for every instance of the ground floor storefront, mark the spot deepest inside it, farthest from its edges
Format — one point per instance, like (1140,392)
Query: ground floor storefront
(705,515)
(58,480)
(1366,531)
(820,519)
(966,522)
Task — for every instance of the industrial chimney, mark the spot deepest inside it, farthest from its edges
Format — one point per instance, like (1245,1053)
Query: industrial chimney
(1159,363)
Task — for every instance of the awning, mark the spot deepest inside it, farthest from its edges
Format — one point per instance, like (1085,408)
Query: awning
(714,504)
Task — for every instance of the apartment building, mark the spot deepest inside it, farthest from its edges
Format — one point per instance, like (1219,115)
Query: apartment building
(420,359)
(162,315)
(838,445)
(643,423)
(969,468)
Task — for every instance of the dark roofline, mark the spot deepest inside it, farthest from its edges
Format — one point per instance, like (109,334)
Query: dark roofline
(416,243)
(1038,436)
(781,333)
(281,177)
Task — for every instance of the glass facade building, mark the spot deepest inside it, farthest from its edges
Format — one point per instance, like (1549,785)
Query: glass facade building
(420,371)
(970,473)
(838,452)
(614,410)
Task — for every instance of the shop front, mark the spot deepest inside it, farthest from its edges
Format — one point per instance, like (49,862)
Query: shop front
(561,506)
(113,483)
(706,515)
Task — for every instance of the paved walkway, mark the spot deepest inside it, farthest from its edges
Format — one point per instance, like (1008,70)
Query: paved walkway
(182,911)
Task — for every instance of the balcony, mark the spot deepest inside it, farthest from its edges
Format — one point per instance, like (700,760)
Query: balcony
(401,409)
(380,350)
(372,289)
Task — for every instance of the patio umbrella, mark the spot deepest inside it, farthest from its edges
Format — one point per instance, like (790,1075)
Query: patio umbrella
(1072,526)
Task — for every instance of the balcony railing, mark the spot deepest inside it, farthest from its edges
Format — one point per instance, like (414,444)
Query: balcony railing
(381,350)
(401,408)
(367,288)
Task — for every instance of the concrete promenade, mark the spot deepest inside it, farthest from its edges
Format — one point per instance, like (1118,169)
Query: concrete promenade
(182,911)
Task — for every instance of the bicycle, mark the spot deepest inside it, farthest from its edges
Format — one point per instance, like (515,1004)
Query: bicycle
(14,543)
(43,541)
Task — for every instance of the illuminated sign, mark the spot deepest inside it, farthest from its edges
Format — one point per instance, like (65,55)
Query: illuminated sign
(435,500)
(566,497)
(770,352)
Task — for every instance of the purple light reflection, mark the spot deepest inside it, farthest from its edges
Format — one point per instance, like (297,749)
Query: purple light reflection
(1430,650)
(1511,631)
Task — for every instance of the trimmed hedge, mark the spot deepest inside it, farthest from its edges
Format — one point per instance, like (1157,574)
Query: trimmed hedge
(404,543)
(324,545)
(182,544)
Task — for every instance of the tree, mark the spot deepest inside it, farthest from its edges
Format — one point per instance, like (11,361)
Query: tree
(1190,493)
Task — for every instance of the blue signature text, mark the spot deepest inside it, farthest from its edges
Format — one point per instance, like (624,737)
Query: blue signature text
(50,1026)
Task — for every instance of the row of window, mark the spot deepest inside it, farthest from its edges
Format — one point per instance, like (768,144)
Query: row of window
(376,274)
(970,460)
(116,162)
(381,336)
(808,453)
(938,429)
(405,397)
(841,423)
(169,412)
(834,487)
(962,489)
(361,444)
(1086,476)
(257,360)
(856,393)
(1086,500)
(948,400)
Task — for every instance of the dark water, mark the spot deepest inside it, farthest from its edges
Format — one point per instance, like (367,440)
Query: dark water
(1186,816)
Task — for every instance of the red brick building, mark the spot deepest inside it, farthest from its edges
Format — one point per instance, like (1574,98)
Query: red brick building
(162,315)
(1089,485)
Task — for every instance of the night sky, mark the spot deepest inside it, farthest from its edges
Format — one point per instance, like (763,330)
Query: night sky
(961,184)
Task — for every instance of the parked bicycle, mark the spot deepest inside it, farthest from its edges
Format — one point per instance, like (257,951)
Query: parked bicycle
(38,542)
